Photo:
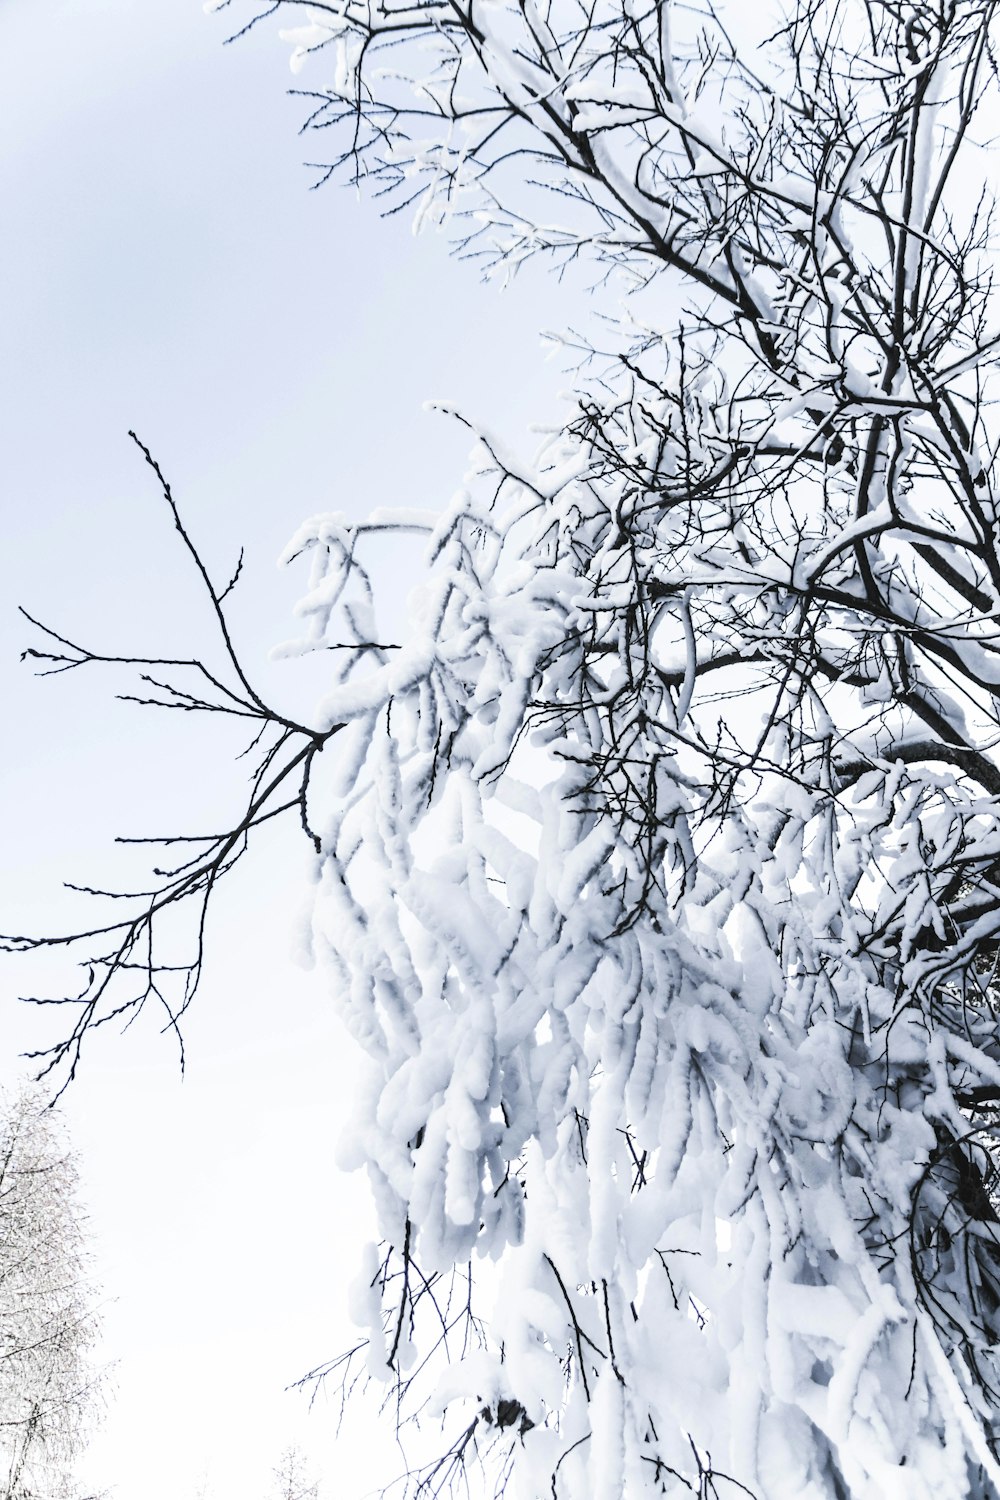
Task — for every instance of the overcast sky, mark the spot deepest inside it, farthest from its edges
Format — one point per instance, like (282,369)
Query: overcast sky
(164,267)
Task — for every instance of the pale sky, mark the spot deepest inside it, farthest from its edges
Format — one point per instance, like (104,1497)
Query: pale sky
(164,267)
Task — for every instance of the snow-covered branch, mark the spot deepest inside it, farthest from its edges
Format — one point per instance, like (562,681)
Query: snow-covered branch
(660,871)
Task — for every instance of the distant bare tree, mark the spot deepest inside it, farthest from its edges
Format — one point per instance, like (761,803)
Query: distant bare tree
(49,1390)
(291,1477)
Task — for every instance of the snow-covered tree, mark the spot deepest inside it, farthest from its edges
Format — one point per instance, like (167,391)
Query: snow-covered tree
(48,1384)
(657,861)
(291,1478)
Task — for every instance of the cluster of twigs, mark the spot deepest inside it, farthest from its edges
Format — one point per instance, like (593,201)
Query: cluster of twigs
(130,962)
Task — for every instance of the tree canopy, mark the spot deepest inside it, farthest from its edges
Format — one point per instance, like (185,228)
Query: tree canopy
(657,858)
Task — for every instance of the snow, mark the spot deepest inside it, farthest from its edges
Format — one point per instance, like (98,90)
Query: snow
(668,998)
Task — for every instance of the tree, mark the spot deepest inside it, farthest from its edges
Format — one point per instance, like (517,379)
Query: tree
(291,1478)
(658,864)
(48,1386)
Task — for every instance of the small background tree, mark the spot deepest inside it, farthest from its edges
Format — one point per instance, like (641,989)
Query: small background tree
(49,1390)
(292,1479)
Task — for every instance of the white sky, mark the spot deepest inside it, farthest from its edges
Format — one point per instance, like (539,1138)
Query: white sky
(164,267)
